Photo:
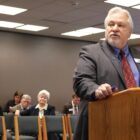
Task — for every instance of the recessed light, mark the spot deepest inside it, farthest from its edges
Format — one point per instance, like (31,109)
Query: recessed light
(133,36)
(126,3)
(83,32)
(32,27)
(8,10)
(8,24)
(136,7)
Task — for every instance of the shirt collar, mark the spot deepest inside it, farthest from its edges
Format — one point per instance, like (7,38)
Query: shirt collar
(73,104)
(42,108)
(117,51)
(22,108)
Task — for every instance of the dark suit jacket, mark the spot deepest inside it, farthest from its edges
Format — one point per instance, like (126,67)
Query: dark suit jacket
(97,65)
(32,111)
(1,111)
(67,107)
(8,104)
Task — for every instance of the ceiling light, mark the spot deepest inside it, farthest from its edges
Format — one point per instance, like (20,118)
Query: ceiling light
(7,24)
(137,60)
(134,36)
(84,32)
(29,27)
(126,3)
(136,7)
(102,38)
(11,10)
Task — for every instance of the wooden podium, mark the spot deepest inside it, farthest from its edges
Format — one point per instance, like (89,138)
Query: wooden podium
(116,117)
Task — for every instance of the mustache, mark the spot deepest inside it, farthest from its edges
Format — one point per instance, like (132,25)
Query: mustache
(114,34)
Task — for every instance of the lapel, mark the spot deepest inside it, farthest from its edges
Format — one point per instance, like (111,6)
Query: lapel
(109,53)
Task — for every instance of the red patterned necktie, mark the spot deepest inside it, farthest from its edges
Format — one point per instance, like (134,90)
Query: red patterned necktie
(127,72)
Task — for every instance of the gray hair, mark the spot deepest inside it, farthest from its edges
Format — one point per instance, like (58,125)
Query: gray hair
(44,93)
(119,10)
(26,96)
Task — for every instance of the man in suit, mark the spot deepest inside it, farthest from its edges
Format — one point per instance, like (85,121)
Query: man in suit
(99,70)
(73,106)
(24,104)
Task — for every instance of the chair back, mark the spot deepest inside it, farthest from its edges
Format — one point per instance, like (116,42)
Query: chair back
(27,127)
(2,128)
(72,123)
(54,124)
(9,120)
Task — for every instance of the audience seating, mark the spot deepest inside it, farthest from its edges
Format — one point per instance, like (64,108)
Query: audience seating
(27,128)
(66,125)
(32,127)
(71,124)
(55,125)
(9,120)
(3,128)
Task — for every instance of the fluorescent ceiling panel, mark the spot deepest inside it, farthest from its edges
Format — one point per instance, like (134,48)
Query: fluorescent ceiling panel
(34,28)
(83,32)
(133,36)
(8,10)
(136,7)
(137,60)
(126,3)
(102,38)
(8,24)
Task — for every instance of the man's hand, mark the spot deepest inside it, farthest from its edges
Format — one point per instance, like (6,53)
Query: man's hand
(103,91)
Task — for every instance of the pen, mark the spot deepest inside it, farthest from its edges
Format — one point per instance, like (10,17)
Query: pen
(114,88)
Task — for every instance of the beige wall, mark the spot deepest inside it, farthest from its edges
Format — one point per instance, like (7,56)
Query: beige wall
(31,63)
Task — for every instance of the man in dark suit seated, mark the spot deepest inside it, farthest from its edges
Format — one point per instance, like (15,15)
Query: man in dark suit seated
(73,106)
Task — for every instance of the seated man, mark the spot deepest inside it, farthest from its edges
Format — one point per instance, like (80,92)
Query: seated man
(41,108)
(73,106)
(23,105)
